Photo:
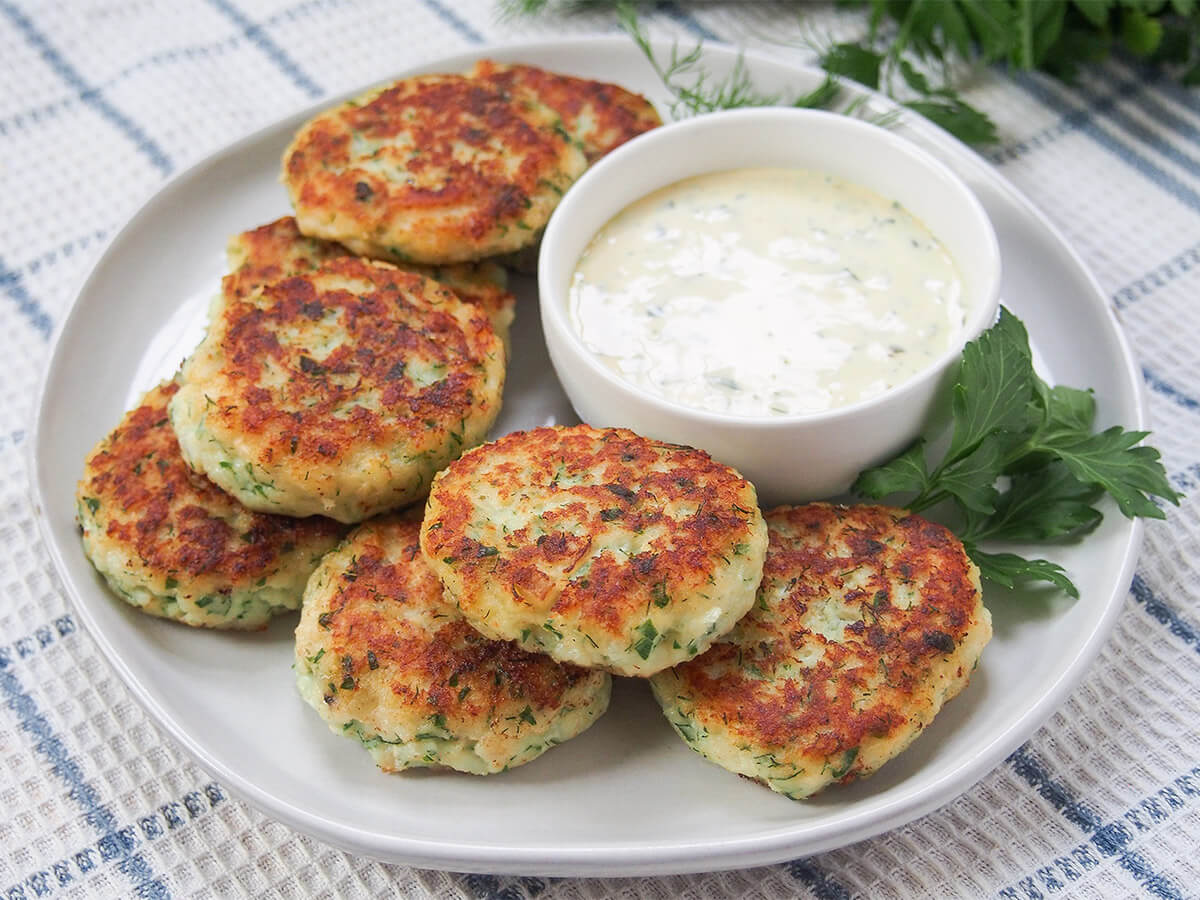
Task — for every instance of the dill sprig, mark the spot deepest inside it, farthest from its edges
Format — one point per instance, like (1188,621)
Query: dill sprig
(692,88)
(915,51)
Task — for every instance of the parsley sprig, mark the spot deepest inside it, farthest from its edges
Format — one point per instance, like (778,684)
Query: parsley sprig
(1023,463)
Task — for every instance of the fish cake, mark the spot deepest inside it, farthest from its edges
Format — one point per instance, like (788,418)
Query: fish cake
(598,115)
(432,169)
(385,659)
(596,546)
(868,620)
(339,392)
(171,543)
(278,250)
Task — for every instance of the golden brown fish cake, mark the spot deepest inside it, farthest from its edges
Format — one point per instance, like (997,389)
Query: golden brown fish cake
(432,169)
(868,620)
(599,115)
(278,250)
(339,392)
(385,659)
(597,546)
(174,545)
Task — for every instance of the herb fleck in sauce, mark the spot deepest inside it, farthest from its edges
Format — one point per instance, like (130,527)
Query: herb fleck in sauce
(761,292)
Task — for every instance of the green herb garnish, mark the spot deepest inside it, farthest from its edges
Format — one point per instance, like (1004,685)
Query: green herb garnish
(914,51)
(1023,463)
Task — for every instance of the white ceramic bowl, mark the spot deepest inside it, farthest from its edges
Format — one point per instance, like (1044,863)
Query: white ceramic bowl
(788,458)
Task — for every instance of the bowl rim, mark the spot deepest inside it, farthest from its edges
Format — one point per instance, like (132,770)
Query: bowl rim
(553,305)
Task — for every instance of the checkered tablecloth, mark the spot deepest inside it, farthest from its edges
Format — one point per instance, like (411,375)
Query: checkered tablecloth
(102,100)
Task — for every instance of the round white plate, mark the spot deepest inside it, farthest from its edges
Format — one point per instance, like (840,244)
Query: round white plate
(627,797)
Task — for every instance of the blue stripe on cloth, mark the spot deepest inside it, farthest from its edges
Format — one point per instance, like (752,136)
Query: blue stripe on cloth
(84,863)
(451,18)
(1161,115)
(41,637)
(36,115)
(672,11)
(175,54)
(1174,268)
(1158,610)
(1168,390)
(822,886)
(48,745)
(491,887)
(303,8)
(87,93)
(64,251)
(14,288)
(1049,97)
(258,36)
(1187,479)
(1109,839)
(1168,87)
(1065,125)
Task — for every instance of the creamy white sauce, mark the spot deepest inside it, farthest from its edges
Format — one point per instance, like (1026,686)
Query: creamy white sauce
(760,292)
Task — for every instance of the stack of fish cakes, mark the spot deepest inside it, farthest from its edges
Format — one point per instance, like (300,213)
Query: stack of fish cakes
(800,648)
(353,351)
(170,542)
(386,660)
(357,354)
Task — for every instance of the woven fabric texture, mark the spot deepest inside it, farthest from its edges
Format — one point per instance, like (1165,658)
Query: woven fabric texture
(102,100)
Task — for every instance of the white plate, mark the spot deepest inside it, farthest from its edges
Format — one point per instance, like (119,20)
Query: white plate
(627,797)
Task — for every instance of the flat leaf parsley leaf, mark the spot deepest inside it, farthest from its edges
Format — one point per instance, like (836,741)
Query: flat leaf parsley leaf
(1022,464)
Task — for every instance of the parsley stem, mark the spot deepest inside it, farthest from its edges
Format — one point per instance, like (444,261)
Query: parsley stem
(926,499)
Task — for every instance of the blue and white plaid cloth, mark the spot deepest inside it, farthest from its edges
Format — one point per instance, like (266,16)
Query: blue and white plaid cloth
(101,100)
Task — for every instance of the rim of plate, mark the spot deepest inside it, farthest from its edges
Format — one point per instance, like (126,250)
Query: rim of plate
(771,846)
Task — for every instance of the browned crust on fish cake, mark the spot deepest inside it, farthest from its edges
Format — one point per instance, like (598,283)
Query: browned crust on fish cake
(174,521)
(172,544)
(445,169)
(396,318)
(341,391)
(393,660)
(278,250)
(881,680)
(590,498)
(601,116)
(453,670)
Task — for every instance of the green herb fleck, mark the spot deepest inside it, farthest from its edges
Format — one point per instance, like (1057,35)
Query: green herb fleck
(647,638)
(848,759)
(659,595)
